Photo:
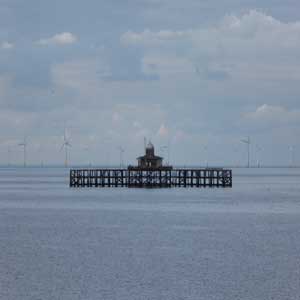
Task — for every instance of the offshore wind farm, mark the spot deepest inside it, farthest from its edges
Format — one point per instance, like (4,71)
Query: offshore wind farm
(250,154)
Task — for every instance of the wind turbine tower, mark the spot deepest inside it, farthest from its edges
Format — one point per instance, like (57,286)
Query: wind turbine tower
(248,143)
(258,151)
(66,144)
(40,150)
(24,145)
(122,150)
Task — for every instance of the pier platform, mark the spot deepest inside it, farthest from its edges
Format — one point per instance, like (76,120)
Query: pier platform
(164,177)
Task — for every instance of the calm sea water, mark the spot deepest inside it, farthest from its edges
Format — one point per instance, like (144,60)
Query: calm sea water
(61,243)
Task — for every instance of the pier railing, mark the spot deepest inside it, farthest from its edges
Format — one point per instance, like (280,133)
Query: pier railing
(150,178)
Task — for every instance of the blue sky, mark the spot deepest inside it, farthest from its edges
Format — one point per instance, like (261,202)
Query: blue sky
(197,75)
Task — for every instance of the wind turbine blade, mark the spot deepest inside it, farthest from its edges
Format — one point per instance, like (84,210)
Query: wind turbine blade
(62,147)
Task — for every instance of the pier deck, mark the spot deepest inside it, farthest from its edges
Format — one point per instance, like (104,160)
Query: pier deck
(135,177)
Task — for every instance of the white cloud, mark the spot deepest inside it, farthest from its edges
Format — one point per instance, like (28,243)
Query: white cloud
(150,38)
(249,27)
(64,38)
(251,46)
(6,45)
(273,113)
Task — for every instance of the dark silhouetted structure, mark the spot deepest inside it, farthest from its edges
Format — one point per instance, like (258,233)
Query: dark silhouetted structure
(151,173)
(150,160)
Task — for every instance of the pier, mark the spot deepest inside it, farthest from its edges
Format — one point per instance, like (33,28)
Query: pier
(149,178)
(151,173)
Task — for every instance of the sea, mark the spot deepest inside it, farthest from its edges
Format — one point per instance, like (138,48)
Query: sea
(60,243)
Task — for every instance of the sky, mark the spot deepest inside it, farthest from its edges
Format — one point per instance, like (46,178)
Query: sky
(196,76)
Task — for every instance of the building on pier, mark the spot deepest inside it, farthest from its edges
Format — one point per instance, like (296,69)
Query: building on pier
(150,160)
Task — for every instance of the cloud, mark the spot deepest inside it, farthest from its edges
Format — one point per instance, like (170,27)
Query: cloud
(149,38)
(243,61)
(250,46)
(126,65)
(60,39)
(272,113)
(6,45)
(248,27)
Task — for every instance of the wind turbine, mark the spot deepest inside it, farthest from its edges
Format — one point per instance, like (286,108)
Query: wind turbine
(122,150)
(248,143)
(24,145)
(40,151)
(258,149)
(65,146)
(236,160)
